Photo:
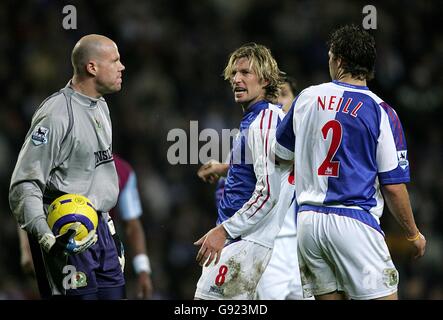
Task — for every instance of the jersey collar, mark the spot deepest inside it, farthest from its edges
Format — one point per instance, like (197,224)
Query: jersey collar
(344,84)
(256,107)
(83,99)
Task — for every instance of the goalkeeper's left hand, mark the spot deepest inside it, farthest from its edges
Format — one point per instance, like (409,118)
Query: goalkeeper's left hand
(65,244)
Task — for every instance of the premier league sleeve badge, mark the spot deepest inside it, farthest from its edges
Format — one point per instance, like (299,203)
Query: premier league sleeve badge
(40,135)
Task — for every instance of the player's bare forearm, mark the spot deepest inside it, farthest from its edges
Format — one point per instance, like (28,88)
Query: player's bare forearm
(397,199)
(136,236)
(25,250)
(137,242)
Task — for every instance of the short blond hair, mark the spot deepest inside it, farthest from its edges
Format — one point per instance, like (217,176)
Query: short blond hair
(263,64)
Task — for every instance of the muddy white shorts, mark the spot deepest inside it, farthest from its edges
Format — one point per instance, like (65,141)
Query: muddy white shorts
(344,254)
(237,273)
(281,279)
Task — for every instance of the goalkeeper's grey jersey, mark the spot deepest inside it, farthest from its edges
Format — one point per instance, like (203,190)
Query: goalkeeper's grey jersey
(68,149)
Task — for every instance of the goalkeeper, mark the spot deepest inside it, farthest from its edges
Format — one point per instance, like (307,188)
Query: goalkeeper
(68,150)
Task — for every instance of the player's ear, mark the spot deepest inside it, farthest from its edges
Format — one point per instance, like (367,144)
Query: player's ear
(91,68)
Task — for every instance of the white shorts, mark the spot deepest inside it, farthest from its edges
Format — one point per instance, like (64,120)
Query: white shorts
(237,273)
(281,279)
(338,253)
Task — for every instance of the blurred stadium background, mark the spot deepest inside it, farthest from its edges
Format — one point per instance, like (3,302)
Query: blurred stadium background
(175,52)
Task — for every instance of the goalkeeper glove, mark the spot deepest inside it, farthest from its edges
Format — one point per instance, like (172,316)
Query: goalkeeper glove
(121,256)
(118,244)
(65,244)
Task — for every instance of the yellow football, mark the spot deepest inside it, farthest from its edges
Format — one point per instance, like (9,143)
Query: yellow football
(71,208)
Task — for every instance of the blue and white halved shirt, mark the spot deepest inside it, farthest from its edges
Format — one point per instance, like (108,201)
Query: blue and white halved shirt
(247,207)
(347,142)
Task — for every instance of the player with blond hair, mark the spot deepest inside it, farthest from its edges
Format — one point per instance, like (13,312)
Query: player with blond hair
(241,244)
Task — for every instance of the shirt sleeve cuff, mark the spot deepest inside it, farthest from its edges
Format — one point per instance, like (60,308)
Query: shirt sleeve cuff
(283,153)
(230,229)
(394,180)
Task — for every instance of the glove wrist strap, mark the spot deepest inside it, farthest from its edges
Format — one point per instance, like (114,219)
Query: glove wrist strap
(47,241)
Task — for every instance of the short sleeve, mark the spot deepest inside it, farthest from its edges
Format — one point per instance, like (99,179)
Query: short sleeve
(392,153)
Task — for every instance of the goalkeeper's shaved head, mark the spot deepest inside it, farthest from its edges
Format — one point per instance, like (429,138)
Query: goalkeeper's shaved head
(88,48)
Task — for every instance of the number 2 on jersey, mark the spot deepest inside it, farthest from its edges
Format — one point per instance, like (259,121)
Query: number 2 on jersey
(328,167)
